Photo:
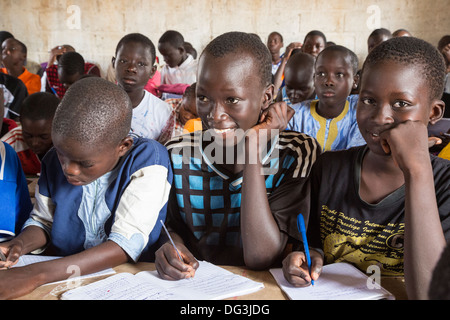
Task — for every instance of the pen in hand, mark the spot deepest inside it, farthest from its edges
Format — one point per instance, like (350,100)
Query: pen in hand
(302,229)
(175,247)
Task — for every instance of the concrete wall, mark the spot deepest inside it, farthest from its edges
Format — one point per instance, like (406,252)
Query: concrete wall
(94,27)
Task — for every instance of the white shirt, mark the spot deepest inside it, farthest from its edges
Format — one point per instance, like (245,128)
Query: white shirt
(184,73)
(150,117)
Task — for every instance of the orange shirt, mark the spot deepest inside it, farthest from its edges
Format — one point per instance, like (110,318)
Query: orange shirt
(32,81)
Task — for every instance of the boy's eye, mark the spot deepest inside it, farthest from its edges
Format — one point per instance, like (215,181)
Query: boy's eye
(232,100)
(86,164)
(141,64)
(339,75)
(202,99)
(320,74)
(401,104)
(368,101)
(122,61)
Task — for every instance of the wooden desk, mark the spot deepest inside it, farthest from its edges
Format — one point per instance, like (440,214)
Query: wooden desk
(271,290)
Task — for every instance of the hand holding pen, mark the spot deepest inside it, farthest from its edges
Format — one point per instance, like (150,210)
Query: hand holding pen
(302,268)
(174,261)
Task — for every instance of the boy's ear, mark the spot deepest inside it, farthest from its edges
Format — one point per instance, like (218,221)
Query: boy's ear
(152,73)
(125,145)
(356,79)
(436,111)
(268,97)
(113,61)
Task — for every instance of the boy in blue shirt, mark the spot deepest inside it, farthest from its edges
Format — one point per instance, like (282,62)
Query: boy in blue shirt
(332,118)
(234,183)
(14,195)
(100,195)
(386,203)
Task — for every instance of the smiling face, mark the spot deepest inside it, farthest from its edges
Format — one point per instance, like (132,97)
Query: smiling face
(230,94)
(391,93)
(83,163)
(133,65)
(334,78)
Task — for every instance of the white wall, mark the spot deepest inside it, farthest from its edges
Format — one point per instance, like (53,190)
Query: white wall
(94,27)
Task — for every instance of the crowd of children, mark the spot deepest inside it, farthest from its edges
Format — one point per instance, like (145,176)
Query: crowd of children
(226,149)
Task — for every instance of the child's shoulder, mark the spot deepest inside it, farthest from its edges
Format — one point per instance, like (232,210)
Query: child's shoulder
(149,151)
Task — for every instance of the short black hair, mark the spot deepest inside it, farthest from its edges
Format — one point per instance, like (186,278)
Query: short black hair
(72,62)
(94,111)
(174,38)
(139,38)
(5,35)
(313,33)
(415,53)
(278,34)
(237,42)
(381,32)
(346,51)
(39,106)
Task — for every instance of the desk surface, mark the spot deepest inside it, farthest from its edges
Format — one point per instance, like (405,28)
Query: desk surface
(271,290)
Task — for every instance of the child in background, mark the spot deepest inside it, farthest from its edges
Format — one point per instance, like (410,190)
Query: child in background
(239,183)
(100,195)
(299,79)
(332,118)
(134,64)
(70,68)
(314,42)
(184,109)
(14,195)
(275,43)
(14,54)
(376,37)
(386,203)
(32,139)
(444,49)
(50,81)
(180,66)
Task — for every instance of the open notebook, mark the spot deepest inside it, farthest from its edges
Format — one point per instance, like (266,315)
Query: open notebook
(209,283)
(338,281)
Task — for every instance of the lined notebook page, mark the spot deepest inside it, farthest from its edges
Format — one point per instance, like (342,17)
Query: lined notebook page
(338,281)
(209,283)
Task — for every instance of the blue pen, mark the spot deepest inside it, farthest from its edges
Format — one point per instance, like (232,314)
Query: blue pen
(301,227)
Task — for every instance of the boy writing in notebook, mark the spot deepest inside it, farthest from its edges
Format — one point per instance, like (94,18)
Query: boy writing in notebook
(234,183)
(386,203)
(331,119)
(100,195)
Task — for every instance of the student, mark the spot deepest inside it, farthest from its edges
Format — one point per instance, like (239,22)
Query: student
(13,93)
(32,139)
(275,43)
(387,203)
(332,118)
(184,109)
(180,66)
(50,80)
(233,196)
(376,37)
(100,195)
(444,48)
(14,55)
(299,79)
(134,64)
(70,68)
(14,195)
(314,42)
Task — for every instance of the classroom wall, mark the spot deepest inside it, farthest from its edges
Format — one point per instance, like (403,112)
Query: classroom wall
(94,27)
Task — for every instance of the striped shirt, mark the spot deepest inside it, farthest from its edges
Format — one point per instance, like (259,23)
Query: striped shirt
(205,201)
